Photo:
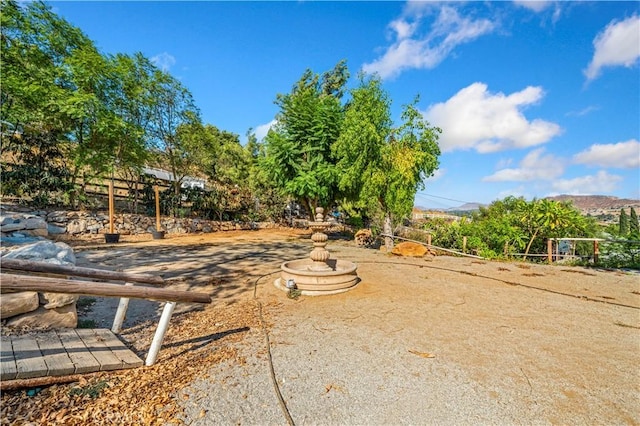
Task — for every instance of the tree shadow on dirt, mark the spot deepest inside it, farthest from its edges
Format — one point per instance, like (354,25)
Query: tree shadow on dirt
(224,271)
(203,341)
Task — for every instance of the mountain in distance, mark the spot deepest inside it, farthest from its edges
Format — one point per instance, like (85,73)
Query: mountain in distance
(605,208)
(466,207)
(594,205)
(597,202)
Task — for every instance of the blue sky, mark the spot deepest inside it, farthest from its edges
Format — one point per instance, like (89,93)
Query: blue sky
(534,98)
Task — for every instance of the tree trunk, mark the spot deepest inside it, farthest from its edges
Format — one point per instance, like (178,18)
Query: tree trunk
(387,229)
(533,237)
(311,207)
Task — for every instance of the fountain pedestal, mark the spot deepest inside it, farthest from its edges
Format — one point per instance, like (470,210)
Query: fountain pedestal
(319,274)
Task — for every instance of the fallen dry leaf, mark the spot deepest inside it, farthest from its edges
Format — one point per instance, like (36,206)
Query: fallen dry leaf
(422,354)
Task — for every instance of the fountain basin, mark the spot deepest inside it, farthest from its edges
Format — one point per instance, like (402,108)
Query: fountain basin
(340,276)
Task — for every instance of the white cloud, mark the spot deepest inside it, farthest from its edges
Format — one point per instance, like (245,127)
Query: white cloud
(534,166)
(602,182)
(622,155)
(618,44)
(411,50)
(476,119)
(262,130)
(164,61)
(520,191)
(535,5)
(583,111)
(438,174)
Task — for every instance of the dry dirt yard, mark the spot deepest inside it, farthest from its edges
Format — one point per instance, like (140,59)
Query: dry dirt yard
(434,340)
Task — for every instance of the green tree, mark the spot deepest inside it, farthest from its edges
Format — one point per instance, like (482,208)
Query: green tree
(623,223)
(220,156)
(380,166)
(44,96)
(517,224)
(298,148)
(173,108)
(634,229)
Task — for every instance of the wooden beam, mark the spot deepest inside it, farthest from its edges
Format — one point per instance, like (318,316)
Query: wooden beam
(11,282)
(7,385)
(48,268)
(111,207)
(158,227)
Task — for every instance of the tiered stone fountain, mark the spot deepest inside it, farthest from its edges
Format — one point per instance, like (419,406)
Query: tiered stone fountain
(319,274)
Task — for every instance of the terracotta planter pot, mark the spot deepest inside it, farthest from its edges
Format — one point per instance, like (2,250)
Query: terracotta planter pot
(157,235)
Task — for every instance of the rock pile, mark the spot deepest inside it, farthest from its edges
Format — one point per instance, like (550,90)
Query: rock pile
(40,310)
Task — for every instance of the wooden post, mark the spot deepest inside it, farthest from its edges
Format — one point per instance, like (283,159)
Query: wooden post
(158,228)
(506,248)
(549,250)
(121,313)
(429,240)
(163,325)
(111,207)
(464,244)
(596,251)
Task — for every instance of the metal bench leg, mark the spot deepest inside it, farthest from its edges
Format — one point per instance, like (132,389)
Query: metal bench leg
(163,325)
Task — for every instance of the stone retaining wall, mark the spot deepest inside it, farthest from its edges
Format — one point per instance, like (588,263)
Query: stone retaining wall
(23,235)
(44,223)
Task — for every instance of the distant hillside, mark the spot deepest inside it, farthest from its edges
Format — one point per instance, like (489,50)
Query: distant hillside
(466,207)
(594,202)
(604,208)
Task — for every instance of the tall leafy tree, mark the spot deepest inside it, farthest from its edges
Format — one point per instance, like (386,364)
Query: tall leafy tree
(44,96)
(172,108)
(298,148)
(226,163)
(381,166)
(623,223)
(634,228)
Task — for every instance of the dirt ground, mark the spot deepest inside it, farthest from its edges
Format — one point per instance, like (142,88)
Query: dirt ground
(434,340)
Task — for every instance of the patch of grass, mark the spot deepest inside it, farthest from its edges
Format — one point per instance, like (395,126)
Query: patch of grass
(91,390)
(294,293)
(85,302)
(86,323)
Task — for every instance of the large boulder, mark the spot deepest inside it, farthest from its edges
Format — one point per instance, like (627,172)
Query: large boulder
(45,251)
(41,310)
(12,304)
(410,249)
(57,300)
(63,317)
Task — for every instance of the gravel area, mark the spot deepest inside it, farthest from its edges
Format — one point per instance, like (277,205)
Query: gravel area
(424,341)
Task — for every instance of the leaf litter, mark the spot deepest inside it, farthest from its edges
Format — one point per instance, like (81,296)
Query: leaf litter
(145,395)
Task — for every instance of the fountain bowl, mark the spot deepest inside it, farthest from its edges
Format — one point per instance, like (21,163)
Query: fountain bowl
(340,276)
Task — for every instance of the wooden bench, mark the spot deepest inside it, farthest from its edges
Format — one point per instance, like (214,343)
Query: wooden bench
(21,282)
